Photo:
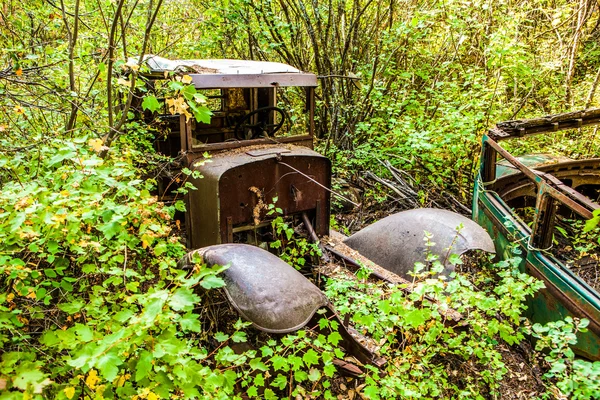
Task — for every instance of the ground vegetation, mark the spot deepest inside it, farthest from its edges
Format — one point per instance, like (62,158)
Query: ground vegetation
(92,302)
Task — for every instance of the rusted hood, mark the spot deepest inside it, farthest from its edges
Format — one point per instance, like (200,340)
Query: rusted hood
(397,242)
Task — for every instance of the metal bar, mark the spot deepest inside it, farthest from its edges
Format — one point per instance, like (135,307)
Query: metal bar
(313,236)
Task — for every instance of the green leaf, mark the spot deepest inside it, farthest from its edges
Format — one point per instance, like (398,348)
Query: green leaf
(311,357)
(143,366)
(256,363)
(414,318)
(591,223)
(150,103)
(188,92)
(334,338)
(221,337)
(280,363)
(84,332)
(239,337)
(252,391)
(108,365)
(72,307)
(314,375)
(190,323)
(280,382)
(183,299)
(29,376)
(160,248)
(212,282)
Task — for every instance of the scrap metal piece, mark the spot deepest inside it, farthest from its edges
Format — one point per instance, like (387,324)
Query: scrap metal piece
(396,242)
(263,289)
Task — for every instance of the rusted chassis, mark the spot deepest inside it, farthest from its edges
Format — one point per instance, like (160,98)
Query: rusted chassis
(551,188)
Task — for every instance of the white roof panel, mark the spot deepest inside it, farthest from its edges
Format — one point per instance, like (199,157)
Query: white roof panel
(233,73)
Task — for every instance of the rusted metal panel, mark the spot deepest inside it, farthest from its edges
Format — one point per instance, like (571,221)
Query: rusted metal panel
(301,140)
(397,242)
(237,185)
(550,123)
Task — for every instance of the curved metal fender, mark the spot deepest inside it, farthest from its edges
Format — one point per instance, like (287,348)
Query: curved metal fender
(396,242)
(263,289)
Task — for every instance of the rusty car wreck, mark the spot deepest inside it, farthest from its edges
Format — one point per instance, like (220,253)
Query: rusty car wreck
(537,201)
(258,151)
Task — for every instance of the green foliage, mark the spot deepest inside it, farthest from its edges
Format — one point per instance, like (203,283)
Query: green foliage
(434,357)
(292,248)
(575,378)
(92,303)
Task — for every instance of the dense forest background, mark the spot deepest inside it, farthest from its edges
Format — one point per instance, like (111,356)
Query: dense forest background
(92,304)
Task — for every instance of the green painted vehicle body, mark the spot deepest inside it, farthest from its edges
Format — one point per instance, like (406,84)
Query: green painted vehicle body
(565,294)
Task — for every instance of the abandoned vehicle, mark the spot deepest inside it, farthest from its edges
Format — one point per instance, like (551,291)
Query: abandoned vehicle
(540,204)
(261,148)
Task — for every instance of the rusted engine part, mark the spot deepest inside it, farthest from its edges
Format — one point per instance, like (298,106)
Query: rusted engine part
(270,293)
(226,203)
(397,242)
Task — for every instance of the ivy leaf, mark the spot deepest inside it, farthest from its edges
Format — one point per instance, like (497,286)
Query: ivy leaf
(239,337)
(190,323)
(591,223)
(108,365)
(280,363)
(29,375)
(414,318)
(314,375)
(311,357)
(72,307)
(212,282)
(300,376)
(183,299)
(84,332)
(270,395)
(329,370)
(150,103)
(334,338)
(256,363)
(252,391)
(221,337)
(279,382)
(143,366)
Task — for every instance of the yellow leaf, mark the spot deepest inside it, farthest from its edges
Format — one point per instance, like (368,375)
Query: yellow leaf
(59,218)
(70,392)
(19,110)
(19,72)
(92,379)
(186,79)
(97,145)
(152,396)
(10,297)
(31,294)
